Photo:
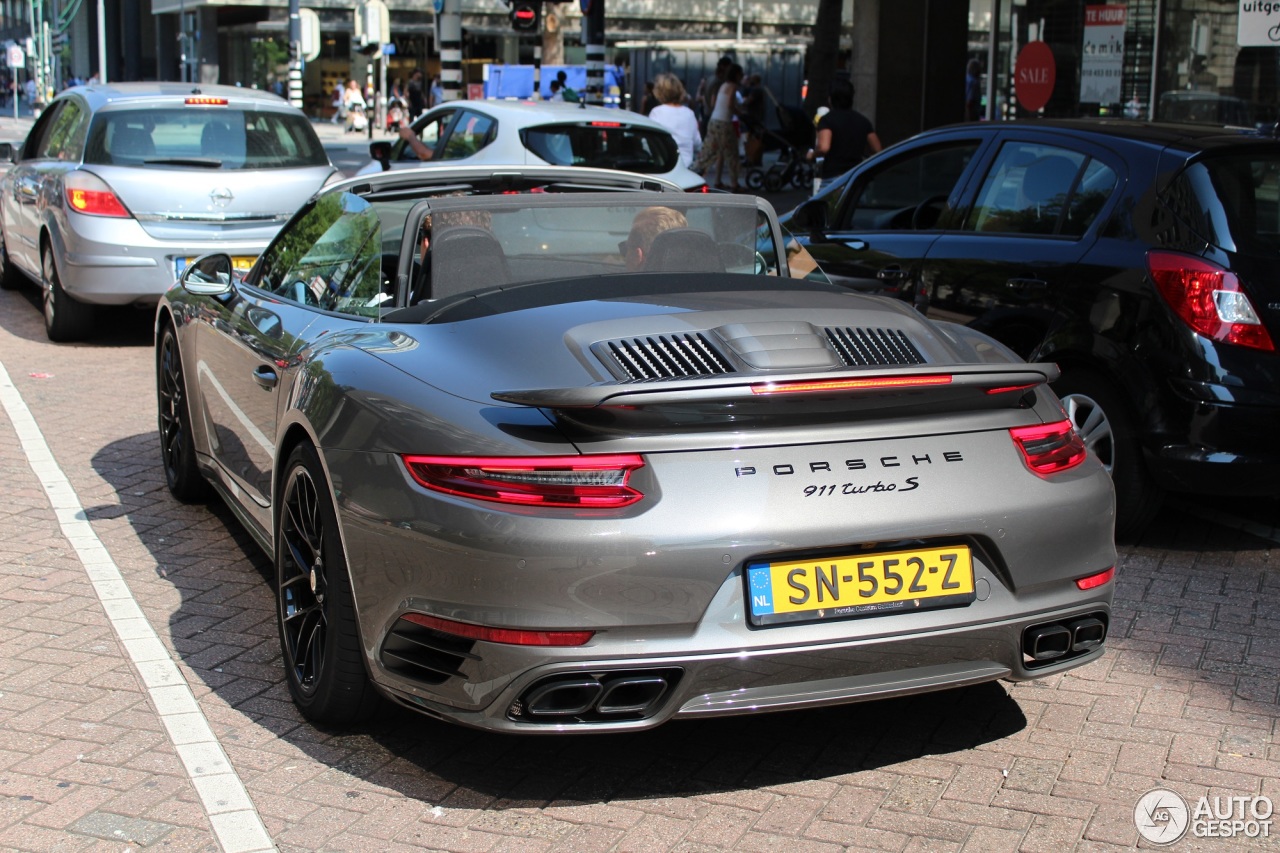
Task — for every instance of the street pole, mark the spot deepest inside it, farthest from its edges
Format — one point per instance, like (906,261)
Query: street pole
(182,39)
(295,53)
(451,49)
(595,54)
(102,41)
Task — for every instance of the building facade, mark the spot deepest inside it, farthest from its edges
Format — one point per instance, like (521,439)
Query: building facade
(1198,60)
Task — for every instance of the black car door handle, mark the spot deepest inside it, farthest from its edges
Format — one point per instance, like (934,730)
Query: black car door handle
(891,274)
(266,377)
(1026,285)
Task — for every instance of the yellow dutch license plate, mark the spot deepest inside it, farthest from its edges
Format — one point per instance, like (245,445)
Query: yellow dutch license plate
(240,263)
(859,585)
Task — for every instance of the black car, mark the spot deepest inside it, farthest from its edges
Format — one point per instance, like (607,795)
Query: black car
(1142,258)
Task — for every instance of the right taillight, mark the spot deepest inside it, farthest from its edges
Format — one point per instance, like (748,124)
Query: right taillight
(1049,448)
(90,195)
(1208,298)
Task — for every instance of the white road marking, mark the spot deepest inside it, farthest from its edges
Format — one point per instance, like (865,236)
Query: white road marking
(236,823)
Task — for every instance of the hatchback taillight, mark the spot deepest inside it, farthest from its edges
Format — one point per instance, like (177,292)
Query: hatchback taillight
(1208,298)
(1049,448)
(88,194)
(583,482)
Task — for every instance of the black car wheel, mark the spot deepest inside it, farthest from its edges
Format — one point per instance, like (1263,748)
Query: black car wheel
(65,319)
(1099,415)
(177,450)
(315,608)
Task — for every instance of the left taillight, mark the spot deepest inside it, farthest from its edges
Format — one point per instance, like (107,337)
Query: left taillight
(582,482)
(1208,298)
(1049,448)
(700,188)
(88,194)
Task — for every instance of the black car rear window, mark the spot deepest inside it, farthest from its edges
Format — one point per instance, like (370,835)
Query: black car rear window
(203,137)
(603,144)
(1238,199)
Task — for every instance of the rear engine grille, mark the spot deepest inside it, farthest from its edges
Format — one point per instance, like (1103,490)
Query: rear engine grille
(424,655)
(668,356)
(864,347)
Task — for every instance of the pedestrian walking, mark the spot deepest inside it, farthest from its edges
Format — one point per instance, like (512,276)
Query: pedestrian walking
(754,96)
(721,146)
(417,97)
(355,105)
(845,137)
(673,114)
(973,91)
(339,103)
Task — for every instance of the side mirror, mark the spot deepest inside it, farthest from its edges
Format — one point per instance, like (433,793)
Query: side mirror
(381,151)
(208,275)
(810,216)
(8,154)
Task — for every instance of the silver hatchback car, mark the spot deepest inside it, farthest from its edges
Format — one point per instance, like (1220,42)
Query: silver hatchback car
(117,187)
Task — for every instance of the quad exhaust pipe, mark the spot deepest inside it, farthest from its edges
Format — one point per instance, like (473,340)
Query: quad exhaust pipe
(605,696)
(1067,639)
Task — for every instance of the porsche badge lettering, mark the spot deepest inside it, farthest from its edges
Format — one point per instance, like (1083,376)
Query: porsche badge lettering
(913,461)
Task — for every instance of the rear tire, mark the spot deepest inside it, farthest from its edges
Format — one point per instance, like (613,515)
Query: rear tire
(177,447)
(65,319)
(315,612)
(1103,420)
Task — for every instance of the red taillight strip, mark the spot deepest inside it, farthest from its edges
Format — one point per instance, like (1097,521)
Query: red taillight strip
(1049,448)
(1010,388)
(547,481)
(508,636)
(806,387)
(1097,580)
(205,101)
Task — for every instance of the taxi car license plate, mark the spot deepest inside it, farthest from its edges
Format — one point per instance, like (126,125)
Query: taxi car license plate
(859,585)
(239,263)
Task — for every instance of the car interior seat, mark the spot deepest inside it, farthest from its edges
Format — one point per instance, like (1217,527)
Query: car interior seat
(131,145)
(1046,180)
(219,141)
(684,250)
(463,258)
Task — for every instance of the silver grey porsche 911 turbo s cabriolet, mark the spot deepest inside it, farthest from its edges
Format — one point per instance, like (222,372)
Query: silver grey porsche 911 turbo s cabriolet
(554,450)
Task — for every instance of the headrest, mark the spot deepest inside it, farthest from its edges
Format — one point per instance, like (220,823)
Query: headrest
(684,250)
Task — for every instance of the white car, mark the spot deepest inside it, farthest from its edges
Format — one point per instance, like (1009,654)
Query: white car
(118,186)
(519,133)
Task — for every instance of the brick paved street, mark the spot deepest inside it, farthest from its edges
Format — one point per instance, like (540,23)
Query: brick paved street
(1185,698)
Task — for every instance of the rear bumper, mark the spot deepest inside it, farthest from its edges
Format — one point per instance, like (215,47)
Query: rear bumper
(1220,447)
(751,682)
(116,262)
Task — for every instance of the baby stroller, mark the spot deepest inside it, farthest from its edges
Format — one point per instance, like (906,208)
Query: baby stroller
(792,140)
(397,110)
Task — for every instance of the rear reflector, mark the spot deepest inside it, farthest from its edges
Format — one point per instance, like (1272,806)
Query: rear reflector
(88,194)
(1208,298)
(205,101)
(584,482)
(509,636)
(1099,579)
(1049,448)
(804,387)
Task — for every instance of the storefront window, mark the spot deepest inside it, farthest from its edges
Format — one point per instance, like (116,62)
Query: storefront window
(1206,75)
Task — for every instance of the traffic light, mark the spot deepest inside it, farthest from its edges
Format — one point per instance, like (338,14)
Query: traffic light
(526,15)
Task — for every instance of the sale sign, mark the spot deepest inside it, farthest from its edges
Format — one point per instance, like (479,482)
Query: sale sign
(1034,76)
(1102,55)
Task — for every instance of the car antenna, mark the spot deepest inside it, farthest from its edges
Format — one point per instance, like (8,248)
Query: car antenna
(195,90)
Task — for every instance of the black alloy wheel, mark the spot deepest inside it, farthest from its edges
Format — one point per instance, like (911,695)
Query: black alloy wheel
(319,638)
(65,319)
(177,449)
(1100,417)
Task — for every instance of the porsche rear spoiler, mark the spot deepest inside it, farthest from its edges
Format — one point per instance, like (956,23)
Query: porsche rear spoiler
(962,386)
